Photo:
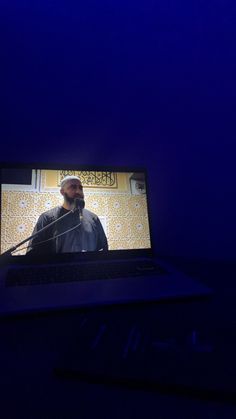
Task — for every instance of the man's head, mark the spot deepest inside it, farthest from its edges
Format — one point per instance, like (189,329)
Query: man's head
(71,188)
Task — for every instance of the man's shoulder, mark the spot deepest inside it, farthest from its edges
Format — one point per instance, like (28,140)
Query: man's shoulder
(51,214)
(89,214)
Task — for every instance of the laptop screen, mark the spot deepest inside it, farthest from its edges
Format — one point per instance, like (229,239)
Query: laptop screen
(101,211)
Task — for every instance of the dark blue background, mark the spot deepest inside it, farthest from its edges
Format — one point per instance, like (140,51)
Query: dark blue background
(142,83)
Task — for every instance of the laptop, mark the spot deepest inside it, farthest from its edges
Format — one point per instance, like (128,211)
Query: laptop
(38,274)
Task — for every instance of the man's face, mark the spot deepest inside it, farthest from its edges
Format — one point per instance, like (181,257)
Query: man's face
(72,189)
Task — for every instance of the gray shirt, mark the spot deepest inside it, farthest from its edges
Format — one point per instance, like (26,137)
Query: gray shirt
(69,234)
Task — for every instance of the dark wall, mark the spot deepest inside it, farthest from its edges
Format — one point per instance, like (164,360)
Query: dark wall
(148,83)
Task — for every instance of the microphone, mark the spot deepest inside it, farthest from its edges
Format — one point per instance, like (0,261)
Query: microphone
(78,206)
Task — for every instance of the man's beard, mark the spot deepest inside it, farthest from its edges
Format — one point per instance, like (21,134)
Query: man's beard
(71,201)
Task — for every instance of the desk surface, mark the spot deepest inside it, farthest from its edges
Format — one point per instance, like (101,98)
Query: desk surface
(32,346)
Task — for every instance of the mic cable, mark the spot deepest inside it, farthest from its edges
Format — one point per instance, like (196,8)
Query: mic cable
(45,241)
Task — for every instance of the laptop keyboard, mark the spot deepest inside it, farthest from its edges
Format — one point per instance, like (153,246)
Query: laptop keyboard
(69,273)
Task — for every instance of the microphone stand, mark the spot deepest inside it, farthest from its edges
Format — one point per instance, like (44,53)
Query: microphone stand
(8,252)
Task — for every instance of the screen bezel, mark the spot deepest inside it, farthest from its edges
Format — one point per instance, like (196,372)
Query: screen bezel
(81,256)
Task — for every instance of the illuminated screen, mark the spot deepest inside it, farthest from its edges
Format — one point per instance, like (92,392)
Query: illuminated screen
(114,214)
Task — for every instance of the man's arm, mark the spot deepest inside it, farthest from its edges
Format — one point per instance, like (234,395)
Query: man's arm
(34,244)
(102,244)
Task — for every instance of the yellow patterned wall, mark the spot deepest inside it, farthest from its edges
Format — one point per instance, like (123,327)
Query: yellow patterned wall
(124,215)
